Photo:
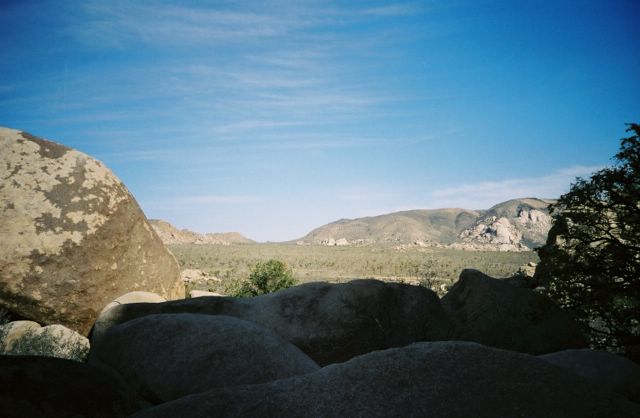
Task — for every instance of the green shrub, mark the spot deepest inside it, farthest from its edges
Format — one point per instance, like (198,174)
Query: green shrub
(266,277)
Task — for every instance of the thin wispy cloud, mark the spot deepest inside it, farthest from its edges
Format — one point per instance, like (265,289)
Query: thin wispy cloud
(219,199)
(116,23)
(479,195)
(201,202)
(393,10)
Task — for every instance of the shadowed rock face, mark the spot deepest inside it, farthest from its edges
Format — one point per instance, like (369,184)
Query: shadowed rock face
(492,312)
(329,322)
(73,236)
(168,356)
(437,379)
(607,369)
(43,387)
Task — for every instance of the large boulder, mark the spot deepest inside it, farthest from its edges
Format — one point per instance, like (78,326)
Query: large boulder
(615,372)
(28,338)
(42,387)
(434,379)
(168,356)
(73,237)
(329,322)
(492,312)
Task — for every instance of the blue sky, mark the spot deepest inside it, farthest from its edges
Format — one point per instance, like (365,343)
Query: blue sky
(274,117)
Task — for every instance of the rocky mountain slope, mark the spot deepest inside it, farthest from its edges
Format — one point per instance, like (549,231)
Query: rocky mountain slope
(515,225)
(169,234)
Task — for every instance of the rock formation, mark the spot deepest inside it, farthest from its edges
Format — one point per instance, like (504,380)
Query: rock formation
(436,379)
(42,387)
(28,338)
(168,356)
(493,312)
(329,322)
(73,236)
(607,369)
(496,232)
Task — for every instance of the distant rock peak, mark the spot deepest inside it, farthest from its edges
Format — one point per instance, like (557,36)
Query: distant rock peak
(170,235)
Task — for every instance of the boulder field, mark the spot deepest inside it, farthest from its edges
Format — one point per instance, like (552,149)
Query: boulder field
(335,322)
(429,379)
(329,322)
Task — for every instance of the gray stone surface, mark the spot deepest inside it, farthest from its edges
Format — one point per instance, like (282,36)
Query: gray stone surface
(492,312)
(615,372)
(168,356)
(438,379)
(329,322)
(134,297)
(73,237)
(43,387)
(28,338)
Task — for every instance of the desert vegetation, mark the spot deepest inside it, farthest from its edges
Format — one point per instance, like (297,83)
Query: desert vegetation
(308,263)
(267,277)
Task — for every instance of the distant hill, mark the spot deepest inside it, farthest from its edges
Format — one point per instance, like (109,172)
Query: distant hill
(515,225)
(169,234)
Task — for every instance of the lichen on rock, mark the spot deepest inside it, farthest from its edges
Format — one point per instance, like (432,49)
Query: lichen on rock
(65,220)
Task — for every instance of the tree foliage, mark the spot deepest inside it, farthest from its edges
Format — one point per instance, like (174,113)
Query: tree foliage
(591,261)
(266,277)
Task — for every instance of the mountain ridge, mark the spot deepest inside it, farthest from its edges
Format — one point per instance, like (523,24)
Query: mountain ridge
(513,225)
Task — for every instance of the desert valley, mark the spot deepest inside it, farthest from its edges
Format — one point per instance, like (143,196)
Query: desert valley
(107,314)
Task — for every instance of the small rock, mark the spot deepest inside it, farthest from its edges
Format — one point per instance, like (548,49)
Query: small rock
(134,297)
(202,293)
(21,338)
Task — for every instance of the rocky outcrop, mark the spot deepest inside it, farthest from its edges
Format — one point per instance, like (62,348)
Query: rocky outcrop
(28,338)
(195,277)
(198,353)
(536,222)
(492,312)
(606,369)
(515,225)
(171,235)
(41,387)
(331,242)
(496,232)
(329,322)
(438,379)
(73,236)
